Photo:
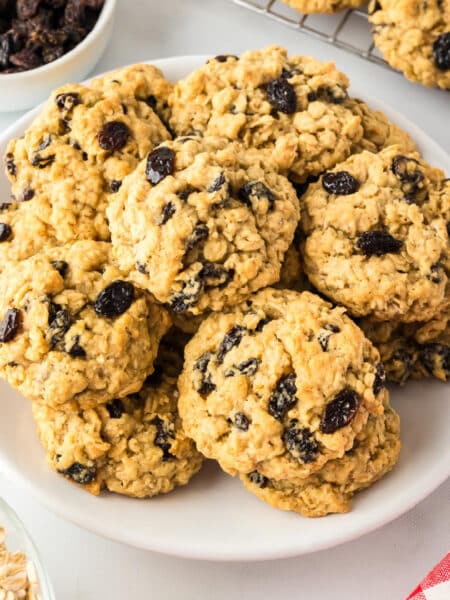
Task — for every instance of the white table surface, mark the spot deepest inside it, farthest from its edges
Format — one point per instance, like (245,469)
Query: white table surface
(385,565)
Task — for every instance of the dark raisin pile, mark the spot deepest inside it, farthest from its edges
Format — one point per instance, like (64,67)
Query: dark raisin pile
(36,32)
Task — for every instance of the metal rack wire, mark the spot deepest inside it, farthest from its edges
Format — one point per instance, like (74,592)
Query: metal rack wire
(348,30)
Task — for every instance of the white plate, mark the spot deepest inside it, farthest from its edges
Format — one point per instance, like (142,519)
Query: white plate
(214,518)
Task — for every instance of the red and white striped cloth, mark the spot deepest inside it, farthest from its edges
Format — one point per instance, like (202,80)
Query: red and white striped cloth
(436,585)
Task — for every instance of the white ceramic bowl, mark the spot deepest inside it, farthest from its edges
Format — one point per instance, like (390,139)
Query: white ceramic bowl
(18,540)
(213,517)
(19,91)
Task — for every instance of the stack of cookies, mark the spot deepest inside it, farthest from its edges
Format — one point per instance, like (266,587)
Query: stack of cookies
(188,270)
(413,36)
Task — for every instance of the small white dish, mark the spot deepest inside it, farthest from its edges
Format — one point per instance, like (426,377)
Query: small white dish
(19,91)
(19,540)
(214,518)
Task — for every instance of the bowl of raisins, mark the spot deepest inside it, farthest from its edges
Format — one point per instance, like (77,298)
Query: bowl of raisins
(46,43)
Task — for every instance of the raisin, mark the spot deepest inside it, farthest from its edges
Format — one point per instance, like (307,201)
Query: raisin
(323,337)
(162,437)
(51,53)
(374,6)
(141,268)
(325,333)
(213,275)
(255,191)
(80,473)
(160,164)
(435,357)
(26,59)
(291,72)
(76,351)
(380,379)
(184,194)
(436,272)
(113,136)
(188,296)
(262,323)
(59,323)
(27,8)
(41,162)
(241,421)
(333,95)
(6,49)
(258,479)
(151,101)
(115,299)
(402,361)
(114,186)
(53,309)
(340,411)
(224,57)
(217,183)
(301,188)
(340,183)
(206,386)
(44,144)
(408,171)
(378,242)
(199,233)
(283,398)
(9,326)
(167,213)
(26,195)
(61,266)
(441,51)
(232,338)
(10,164)
(248,367)
(300,442)
(115,408)
(281,95)
(5,232)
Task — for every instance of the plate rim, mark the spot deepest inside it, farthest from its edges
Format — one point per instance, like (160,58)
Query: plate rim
(199,552)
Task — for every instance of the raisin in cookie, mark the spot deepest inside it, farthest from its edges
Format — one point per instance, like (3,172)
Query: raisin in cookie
(73,328)
(414,37)
(413,349)
(145,83)
(323,6)
(330,490)
(133,446)
(202,224)
(379,132)
(281,384)
(371,243)
(75,153)
(291,106)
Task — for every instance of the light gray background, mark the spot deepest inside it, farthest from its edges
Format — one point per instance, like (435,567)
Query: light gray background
(384,565)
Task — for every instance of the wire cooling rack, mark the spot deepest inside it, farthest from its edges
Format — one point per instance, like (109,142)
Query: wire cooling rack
(348,29)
